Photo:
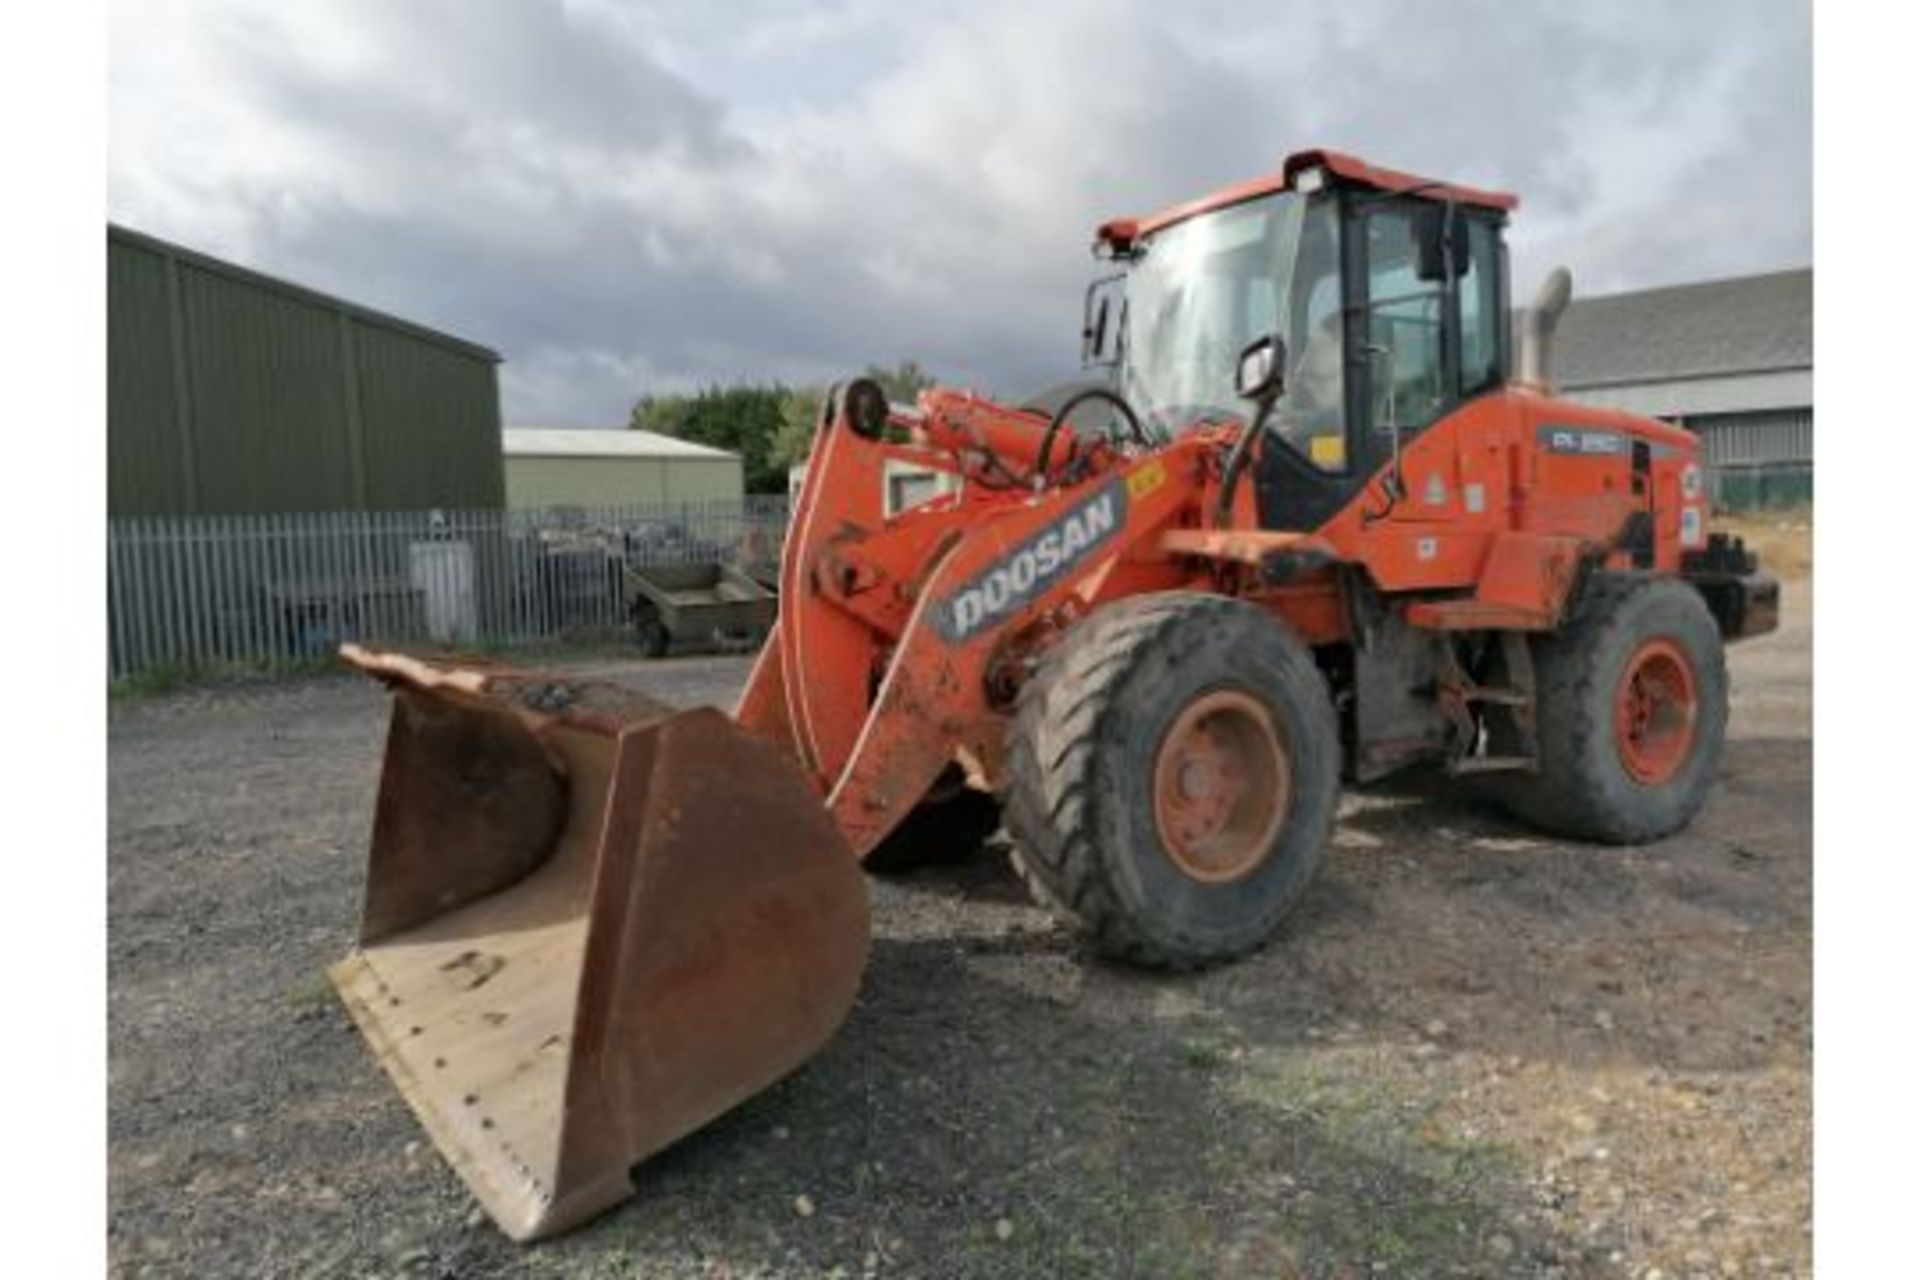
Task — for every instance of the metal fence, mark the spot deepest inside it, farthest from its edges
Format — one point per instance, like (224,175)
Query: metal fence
(280,591)
(1760,486)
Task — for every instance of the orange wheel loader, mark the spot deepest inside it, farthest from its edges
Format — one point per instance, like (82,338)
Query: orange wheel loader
(1309,522)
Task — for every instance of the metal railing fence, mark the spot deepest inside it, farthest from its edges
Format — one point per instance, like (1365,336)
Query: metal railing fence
(1759,486)
(275,592)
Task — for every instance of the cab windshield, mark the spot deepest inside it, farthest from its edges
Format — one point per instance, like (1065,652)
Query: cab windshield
(1204,288)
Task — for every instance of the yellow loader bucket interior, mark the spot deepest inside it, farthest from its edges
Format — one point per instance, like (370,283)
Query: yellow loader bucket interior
(592,924)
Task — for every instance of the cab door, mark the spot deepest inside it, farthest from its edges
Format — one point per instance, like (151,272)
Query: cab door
(1384,346)
(1428,340)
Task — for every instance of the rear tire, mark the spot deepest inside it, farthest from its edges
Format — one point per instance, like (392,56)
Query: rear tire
(1173,777)
(1631,714)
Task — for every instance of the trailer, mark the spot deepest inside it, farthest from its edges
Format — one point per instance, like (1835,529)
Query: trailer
(684,604)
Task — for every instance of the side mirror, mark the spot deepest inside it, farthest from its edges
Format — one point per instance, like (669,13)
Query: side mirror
(1434,225)
(1261,374)
(1099,333)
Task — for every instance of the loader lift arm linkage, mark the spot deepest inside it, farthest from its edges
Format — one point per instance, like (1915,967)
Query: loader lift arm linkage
(593,923)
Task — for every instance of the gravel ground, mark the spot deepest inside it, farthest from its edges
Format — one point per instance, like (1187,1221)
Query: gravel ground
(1473,1052)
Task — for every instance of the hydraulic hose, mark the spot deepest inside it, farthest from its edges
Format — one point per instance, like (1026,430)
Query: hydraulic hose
(1073,402)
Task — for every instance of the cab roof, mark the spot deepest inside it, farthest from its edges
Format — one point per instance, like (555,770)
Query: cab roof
(1339,166)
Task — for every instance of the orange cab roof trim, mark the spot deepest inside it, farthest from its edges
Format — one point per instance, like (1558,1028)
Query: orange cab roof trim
(1122,231)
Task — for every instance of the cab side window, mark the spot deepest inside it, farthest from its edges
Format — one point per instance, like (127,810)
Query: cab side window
(1405,348)
(1480,311)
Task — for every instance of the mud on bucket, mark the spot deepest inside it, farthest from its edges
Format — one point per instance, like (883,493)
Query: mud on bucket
(592,924)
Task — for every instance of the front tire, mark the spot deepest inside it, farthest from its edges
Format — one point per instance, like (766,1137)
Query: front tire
(1173,777)
(1631,714)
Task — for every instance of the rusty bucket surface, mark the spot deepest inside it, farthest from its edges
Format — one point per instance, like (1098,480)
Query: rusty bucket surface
(592,924)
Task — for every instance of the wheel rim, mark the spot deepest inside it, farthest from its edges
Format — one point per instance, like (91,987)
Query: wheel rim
(1655,711)
(1220,787)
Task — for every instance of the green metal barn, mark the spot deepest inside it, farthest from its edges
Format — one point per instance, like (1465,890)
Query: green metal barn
(232,393)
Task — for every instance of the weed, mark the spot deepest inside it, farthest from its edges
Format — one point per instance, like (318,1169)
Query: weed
(310,993)
(1203,1054)
(154,681)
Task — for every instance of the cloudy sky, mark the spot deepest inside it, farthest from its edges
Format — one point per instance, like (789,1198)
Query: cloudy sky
(624,197)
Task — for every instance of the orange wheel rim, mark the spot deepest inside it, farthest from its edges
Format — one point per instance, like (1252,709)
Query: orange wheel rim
(1655,711)
(1221,786)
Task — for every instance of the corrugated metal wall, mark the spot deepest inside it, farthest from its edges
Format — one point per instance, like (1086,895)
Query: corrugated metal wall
(147,467)
(1778,435)
(422,411)
(1758,459)
(231,393)
(545,480)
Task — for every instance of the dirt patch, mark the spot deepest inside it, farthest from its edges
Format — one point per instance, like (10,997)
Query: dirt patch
(1783,538)
(1473,1052)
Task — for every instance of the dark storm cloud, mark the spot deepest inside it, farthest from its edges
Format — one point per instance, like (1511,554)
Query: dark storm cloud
(624,198)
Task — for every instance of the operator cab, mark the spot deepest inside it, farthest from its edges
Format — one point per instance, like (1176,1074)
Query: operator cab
(1388,293)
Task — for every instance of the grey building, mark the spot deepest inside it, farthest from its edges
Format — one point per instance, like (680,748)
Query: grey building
(232,393)
(1731,360)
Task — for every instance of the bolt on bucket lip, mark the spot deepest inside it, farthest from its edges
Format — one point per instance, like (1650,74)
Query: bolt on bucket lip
(691,930)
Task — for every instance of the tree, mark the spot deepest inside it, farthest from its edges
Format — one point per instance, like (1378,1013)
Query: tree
(902,382)
(799,412)
(740,419)
(771,427)
(664,415)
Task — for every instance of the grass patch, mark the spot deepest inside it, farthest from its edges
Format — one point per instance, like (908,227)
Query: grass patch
(1373,1117)
(1203,1054)
(177,677)
(310,993)
(153,682)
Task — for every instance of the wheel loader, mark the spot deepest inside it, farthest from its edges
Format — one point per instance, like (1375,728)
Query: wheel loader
(1312,521)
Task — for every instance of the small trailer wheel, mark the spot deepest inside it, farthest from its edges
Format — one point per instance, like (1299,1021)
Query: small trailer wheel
(649,632)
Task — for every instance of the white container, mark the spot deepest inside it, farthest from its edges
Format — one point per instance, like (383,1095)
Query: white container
(442,572)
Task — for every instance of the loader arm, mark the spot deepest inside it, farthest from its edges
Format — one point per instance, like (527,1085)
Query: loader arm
(893,631)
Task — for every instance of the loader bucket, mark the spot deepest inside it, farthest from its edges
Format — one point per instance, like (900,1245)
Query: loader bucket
(592,924)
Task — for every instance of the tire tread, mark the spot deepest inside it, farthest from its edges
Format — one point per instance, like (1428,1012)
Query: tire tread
(1051,769)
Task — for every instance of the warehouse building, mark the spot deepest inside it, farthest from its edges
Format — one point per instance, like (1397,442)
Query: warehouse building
(230,392)
(1731,360)
(555,467)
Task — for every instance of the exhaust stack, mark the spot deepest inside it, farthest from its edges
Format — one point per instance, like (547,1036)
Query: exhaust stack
(1537,324)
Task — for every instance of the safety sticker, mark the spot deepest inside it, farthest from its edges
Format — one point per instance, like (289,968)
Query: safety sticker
(1147,479)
